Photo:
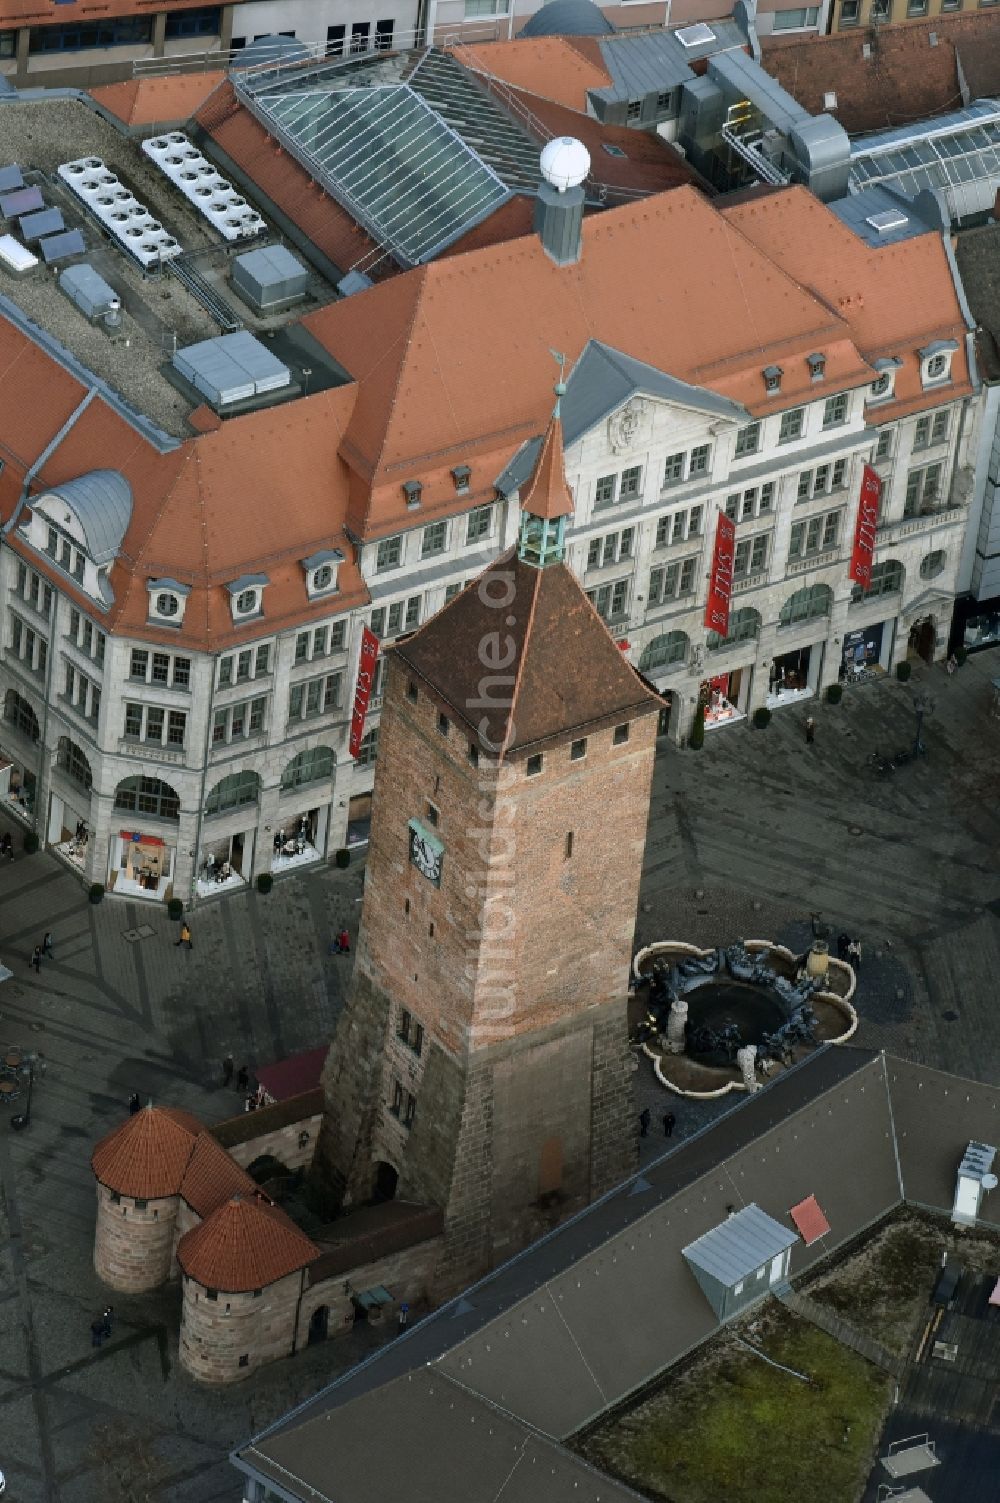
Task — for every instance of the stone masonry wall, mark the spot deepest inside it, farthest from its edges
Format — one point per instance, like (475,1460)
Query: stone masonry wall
(186,1219)
(217,1333)
(614,1124)
(133,1245)
(343,1166)
(408,1276)
(282,1144)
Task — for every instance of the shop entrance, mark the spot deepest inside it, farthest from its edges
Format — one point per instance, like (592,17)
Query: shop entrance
(663,721)
(922,639)
(725,697)
(141,865)
(69,831)
(300,839)
(863,652)
(17,786)
(794,675)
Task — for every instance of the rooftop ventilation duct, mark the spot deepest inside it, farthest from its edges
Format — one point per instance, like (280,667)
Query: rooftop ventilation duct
(120,213)
(192,173)
(564,164)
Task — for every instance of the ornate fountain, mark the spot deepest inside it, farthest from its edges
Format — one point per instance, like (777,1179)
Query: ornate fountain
(713,1021)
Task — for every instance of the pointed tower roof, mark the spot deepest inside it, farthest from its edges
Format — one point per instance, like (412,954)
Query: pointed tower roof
(547,495)
(562,670)
(245,1244)
(146,1156)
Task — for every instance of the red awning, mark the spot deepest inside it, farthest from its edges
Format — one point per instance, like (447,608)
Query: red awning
(293,1076)
(810,1223)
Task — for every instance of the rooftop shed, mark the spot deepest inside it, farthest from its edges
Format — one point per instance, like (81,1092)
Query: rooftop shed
(231,368)
(740,1260)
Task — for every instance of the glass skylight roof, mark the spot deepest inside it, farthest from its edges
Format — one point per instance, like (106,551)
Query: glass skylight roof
(959,154)
(390,160)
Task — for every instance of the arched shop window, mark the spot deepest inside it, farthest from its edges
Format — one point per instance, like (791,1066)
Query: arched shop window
(744,626)
(233,792)
(670,648)
(932,564)
(72,761)
(19,714)
(886,579)
(806,605)
(148,796)
(313,766)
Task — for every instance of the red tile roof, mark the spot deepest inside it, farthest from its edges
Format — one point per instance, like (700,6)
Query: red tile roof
(158,101)
(146,1155)
(549,67)
(566,668)
(547,493)
(245,1244)
(211,1177)
(810,1223)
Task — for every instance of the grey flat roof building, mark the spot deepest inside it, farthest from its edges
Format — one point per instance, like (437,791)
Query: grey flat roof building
(742,1244)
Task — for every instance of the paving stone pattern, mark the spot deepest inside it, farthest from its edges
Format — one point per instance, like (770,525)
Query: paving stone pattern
(747,837)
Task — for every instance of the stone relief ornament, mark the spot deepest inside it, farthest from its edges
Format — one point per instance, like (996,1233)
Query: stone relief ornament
(624,425)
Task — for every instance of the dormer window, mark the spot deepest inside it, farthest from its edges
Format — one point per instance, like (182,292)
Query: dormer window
(817,366)
(462,477)
(884,384)
(246,597)
(772,378)
(321,571)
(167,601)
(935,362)
(412,490)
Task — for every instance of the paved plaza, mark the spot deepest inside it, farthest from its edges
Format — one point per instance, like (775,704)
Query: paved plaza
(747,837)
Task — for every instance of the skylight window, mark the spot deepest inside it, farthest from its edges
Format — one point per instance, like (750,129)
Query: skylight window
(888,219)
(695,36)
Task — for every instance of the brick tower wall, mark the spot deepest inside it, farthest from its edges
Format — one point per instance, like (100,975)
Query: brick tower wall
(133,1245)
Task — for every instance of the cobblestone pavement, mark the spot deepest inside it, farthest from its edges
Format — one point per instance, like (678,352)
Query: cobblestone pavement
(746,838)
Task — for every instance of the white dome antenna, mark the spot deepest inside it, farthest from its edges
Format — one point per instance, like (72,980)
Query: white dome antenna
(565,162)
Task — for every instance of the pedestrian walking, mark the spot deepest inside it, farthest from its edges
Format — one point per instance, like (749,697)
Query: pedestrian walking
(107,1318)
(7,846)
(843,945)
(404,1316)
(96,1331)
(185,938)
(133,1103)
(227,1070)
(242,1078)
(342,944)
(645,1117)
(668,1124)
(250,1104)
(36,959)
(810,731)
(47,944)
(854,955)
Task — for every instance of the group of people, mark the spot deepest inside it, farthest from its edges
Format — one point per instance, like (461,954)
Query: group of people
(850,950)
(645,1117)
(45,948)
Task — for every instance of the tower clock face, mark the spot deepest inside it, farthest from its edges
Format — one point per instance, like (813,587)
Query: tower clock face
(426,854)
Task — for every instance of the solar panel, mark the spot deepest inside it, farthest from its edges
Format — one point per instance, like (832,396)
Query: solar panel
(45,222)
(10,178)
(391,161)
(23,201)
(58,247)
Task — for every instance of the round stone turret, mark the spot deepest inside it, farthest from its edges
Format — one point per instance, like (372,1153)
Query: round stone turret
(139,1168)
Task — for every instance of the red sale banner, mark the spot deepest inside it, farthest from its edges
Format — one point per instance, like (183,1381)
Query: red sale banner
(864,529)
(720,585)
(363,691)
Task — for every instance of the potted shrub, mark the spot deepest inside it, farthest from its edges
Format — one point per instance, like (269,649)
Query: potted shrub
(762,717)
(264,880)
(903,671)
(834,693)
(30,843)
(697,738)
(174,908)
(343,857)
(96,892)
